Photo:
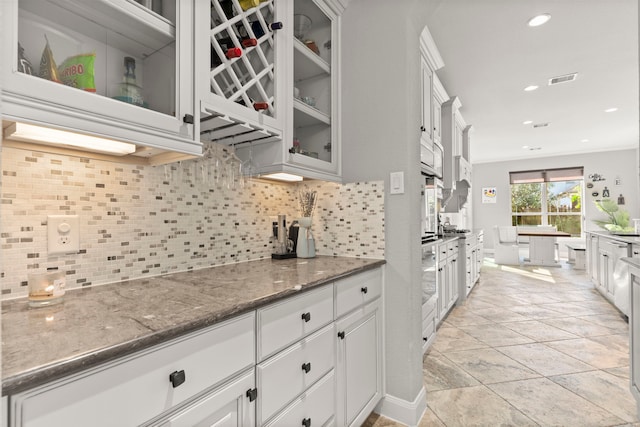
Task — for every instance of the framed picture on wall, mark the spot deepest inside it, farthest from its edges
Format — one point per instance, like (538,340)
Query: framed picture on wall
(488,194)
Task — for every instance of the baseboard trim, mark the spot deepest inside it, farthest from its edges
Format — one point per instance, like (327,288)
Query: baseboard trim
(408,413)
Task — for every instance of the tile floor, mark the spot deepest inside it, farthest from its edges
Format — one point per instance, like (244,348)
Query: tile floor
(531,347)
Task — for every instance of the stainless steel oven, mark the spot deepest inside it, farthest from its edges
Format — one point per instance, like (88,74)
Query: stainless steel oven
(430,204)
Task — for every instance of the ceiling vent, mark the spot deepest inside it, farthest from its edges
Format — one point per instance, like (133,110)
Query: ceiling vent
(562,79)
(541,125)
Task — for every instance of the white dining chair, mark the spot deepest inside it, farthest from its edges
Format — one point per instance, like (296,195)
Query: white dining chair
(505,244)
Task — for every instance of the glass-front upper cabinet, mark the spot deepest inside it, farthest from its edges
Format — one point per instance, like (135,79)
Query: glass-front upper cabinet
(114,68)
(315,141)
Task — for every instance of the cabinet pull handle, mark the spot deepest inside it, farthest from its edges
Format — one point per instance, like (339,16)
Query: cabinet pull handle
(424,338)
(252,393)
(422,129)
(306,316)
(341,335)
(306,367)
(364,290)
(177,378)
(188,118)
(636,252)
(306,422)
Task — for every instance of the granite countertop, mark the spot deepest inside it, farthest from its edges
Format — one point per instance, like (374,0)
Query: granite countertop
(97,324)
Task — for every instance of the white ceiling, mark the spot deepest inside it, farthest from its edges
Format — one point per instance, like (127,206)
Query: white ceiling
(491,55)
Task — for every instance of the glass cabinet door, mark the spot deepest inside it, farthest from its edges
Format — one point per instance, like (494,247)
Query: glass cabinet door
(313,115)
(122,62)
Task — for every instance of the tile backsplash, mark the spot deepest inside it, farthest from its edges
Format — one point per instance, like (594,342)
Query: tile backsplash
(138,221)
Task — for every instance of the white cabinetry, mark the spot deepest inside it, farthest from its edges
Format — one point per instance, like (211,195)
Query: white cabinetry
(447,276)
(103,33)
(227,405)
(593,256)
(634,336)
(319,362)
(429,322)
(146,385)
(305,356)
(359,351)
(310,122)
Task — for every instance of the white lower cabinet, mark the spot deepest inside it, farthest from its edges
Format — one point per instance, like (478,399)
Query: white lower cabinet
(227,405)
(634,336)
(143,386)
(284,377)
(288,364)
(359,364)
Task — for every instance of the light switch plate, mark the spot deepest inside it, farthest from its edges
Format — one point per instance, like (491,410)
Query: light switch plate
(396,183)
(63,234)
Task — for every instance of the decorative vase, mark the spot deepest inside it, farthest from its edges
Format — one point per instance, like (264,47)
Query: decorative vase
(306,247)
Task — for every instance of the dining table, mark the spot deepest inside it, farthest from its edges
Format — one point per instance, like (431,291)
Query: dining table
(542,246)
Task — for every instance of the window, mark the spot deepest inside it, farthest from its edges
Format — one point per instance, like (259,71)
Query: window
(548,197)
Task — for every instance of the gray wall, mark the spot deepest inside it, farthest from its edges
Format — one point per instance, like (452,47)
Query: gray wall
(380,134)
(611,164)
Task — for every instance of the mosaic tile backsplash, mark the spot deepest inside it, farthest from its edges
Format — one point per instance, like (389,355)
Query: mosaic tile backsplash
(138,221)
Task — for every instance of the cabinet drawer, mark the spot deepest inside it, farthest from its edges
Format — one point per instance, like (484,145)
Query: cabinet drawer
(452,247)
(316,404)
(226,405)
(284,376)
(138,388)
(357,290)
(284,323)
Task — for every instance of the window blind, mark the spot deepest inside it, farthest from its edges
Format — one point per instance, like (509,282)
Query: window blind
(546,175)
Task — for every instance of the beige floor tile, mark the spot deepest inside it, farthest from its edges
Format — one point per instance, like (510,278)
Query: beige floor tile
(429,419)
(535,298)
(500,315)
(441,373)
(377,420)
(495,335)
(461,317)
(579,326)
(549,404)
(462,407)
(544,360)
(617,342)
(622,372)
(537,312)
(577,308)
(603,389)
(539,331)
(612,321)
(449,338)
(594,353)
(490,366)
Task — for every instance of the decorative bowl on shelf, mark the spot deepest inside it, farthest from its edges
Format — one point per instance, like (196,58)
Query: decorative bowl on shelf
(301,25)
(309,100)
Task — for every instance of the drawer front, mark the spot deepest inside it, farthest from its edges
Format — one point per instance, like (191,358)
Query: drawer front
(315,405)
(284,323)
(138,388)
(452,247)
(357,290)
(283,377)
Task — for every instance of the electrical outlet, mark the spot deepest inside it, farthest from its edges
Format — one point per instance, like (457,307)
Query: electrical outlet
(63,234)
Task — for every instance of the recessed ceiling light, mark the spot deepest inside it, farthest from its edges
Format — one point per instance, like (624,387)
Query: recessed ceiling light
(527,122)
(538,20)
(584,140)
(530,88)
(525,147)
(610,110)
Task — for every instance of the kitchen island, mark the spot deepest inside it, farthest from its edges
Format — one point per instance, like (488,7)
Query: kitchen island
(98,324)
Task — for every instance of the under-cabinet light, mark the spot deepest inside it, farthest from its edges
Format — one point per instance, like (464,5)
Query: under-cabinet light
(42,135)
(281,176)
(538,20)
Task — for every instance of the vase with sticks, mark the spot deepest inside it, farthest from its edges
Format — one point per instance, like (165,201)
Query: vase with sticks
(306,247)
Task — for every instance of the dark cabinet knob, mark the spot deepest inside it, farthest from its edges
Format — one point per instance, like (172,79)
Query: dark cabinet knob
(188,118)
(422,129)
(306,367)
(364,290)
(306,422)
(252,394)
(177,378)
(341,335)
(424,338)
(306,316)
